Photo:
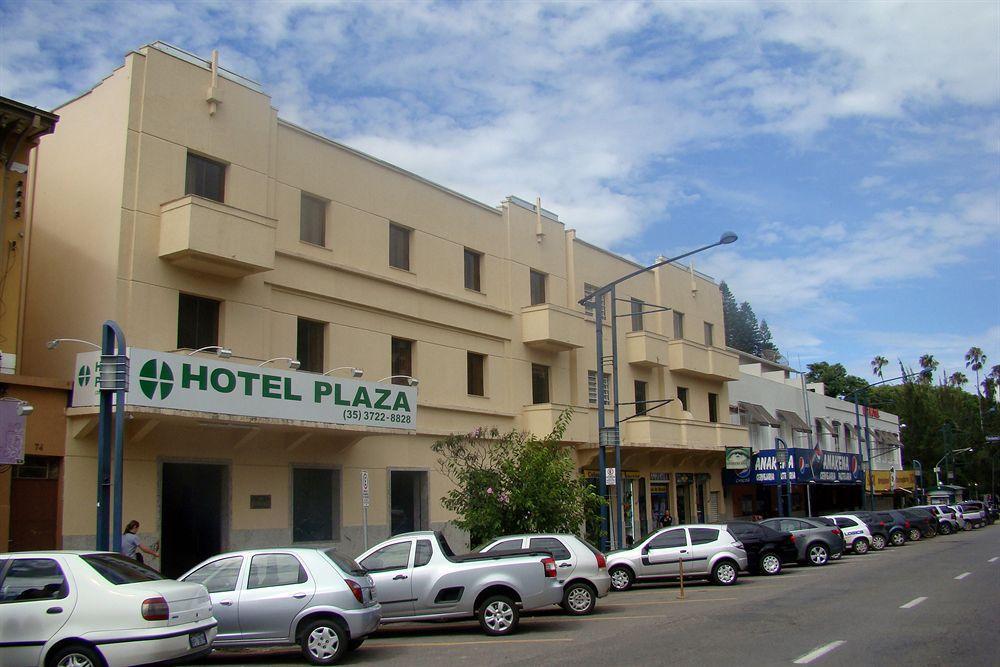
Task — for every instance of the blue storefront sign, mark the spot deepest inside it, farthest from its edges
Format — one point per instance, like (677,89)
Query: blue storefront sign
(803,466)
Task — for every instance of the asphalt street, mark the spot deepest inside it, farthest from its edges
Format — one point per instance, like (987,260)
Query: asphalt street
(934,602)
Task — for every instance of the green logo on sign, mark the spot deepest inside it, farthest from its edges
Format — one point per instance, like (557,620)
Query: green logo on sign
(83,377)
(156,375)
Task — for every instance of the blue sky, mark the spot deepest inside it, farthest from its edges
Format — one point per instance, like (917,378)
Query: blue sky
(854,147)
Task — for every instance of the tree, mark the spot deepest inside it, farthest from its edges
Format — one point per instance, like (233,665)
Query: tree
(514,482)
(957,379)
(928,364)
(975,359)
(729,313)
(878,363)
(990,384)
(743,331)
(835,378)
(767,347)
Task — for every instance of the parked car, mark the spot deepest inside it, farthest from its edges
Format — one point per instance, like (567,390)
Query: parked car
(707,550)
(947,519)
(419,578)
(970,516)
(580,568)
(923,519)
(975,505)
(912,526)
(319,600)
(856,534)
(97,609)
(767,549)
(816,541)
(878,528)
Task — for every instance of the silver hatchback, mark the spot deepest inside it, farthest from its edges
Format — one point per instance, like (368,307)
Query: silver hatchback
(317,599)
(703,550)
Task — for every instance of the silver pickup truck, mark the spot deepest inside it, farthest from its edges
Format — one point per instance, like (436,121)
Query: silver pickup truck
(418,578)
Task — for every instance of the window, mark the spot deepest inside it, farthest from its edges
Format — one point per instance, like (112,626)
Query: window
(348,565)
(33,579)
(713,407)
(476,365)
(591,306)
(678,324)
(205,178)
(845,522)
(636,306)
(390,557)
(709,334)
(267,570)
(537,287)
(551,545)
(218,576)
(399,247)
(402,360)
(505,547)
(120,570)
(539,384)
(473,268)
(315,504)
(669,539)
(703,535)
(592,388)
(197,322)
(640,397)
(309,348)
(423,555)
(312,220)
(682,396)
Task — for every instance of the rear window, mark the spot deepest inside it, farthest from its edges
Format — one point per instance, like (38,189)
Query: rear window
(844,522)
(120,570)
(704,535)
(348,565)
(552,545)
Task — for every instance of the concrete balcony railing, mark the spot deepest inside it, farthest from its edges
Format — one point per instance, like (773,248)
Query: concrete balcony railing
(670,432)
(541,419)
(210,237)
(695,359)
(553,328)
(646,349)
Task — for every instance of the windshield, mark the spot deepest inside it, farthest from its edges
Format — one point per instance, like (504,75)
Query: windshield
(120,570)
(348,565)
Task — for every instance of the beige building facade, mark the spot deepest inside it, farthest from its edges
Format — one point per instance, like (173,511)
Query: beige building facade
(175,201)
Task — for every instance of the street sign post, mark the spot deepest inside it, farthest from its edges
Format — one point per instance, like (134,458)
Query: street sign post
(781,454)
(609,476)
(365,502)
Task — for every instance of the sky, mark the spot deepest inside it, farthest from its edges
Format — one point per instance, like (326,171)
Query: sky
(853,147)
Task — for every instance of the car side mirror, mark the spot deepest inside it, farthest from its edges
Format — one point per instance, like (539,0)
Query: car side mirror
(645,550)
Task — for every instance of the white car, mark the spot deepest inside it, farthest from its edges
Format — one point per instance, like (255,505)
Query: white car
(581,569)
(855,532)
(91,609)
(971,517)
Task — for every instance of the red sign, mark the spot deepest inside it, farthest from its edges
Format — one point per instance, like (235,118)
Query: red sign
(871,412)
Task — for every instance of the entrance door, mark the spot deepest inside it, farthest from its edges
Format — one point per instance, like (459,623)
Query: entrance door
(34,508)
(191,511)
(408,495)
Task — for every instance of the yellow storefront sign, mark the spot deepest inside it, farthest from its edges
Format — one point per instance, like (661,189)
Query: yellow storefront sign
(881,481)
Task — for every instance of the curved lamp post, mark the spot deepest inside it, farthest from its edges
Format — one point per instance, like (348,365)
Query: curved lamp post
(410,380)
(293,364)
(355,372)
(221,352)
(54,343)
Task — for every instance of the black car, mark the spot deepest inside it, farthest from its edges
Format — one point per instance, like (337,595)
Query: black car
(922,519)
(767,549)
(912,527)
(897,525)
(877,527)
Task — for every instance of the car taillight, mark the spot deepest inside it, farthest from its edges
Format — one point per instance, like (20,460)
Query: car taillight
(906,524)
(792,538)
(550,566)
(835,531)
(356,589)
(602,562)
(155,609)
(881,523)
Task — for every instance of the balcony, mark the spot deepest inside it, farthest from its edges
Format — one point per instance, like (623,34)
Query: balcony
(552,328)
(210,237)
(646,349)
(670,432)
(704,362)
(541,419)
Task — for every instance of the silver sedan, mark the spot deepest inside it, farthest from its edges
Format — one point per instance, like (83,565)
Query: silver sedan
(317,599)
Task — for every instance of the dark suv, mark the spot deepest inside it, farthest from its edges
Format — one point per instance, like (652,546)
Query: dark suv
(896,524)
(877,527)
(767,549)
(924,519)
(913,527)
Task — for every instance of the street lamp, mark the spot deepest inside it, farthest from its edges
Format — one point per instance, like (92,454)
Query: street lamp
(54,343)
(411,381)
(292,363)
(948,455)
(612,436)
(355,372)
(221,352)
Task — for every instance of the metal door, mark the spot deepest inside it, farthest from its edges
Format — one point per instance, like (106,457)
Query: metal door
(37,600)
(391,568)
(661,555)
(565,559)
(277,589)
(222,579)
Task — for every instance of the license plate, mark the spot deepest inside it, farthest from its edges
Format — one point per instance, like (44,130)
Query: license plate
(197,639)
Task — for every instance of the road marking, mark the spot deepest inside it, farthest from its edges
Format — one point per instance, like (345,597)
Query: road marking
(963,575)
(912,603)
(818,653)
(468,643)
(994,559)
(646,604)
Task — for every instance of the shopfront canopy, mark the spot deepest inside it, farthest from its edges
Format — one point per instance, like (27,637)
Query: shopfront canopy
(758,415)
(793,419)
(826,425)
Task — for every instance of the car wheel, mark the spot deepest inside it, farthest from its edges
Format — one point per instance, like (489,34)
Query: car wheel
(968,526)
(878,542)
(355,644)
(725,573)
(770,564)
(860,546)
(818,554)
(498,616)
(323,642)
(75,655)
(915,535)
(897,538)
(621,578)
(945,529)
(579,599)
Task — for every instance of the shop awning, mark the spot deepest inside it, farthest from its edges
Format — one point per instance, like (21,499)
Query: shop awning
(794,420)
(889,438)
(758,415)
(826,425)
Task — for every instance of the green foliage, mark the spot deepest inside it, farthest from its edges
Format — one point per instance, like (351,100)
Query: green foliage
(743,332)
(513,482)
(878,363)
(835,378)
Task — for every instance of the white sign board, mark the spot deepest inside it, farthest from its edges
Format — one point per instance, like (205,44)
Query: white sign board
(182,382)
(366,498)
(609,476)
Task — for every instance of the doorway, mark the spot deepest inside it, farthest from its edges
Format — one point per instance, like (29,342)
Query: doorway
(192,508)
(34,504)
(408,501)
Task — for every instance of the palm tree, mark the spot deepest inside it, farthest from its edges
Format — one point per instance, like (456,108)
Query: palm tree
(878,363)
(976,359)
(928,364)
(991,382)
(957,379)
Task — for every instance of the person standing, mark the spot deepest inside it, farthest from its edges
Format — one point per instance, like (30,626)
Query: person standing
(131,546)
(666,520)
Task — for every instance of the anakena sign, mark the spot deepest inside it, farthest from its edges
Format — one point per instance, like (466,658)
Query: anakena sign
(803,466)
(182,382)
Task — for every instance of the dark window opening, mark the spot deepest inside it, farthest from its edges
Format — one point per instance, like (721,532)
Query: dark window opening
(402,360)
(197,322)
(682,396)
(473,264)
(309,347)
(539,384)
(713,407)
(315,504)
(205,178)
(637,307)
(312,220)
(537,287)
(640,397)
(399,247)
(476,374)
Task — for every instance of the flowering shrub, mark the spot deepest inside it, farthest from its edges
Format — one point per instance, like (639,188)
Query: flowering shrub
(513,482)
